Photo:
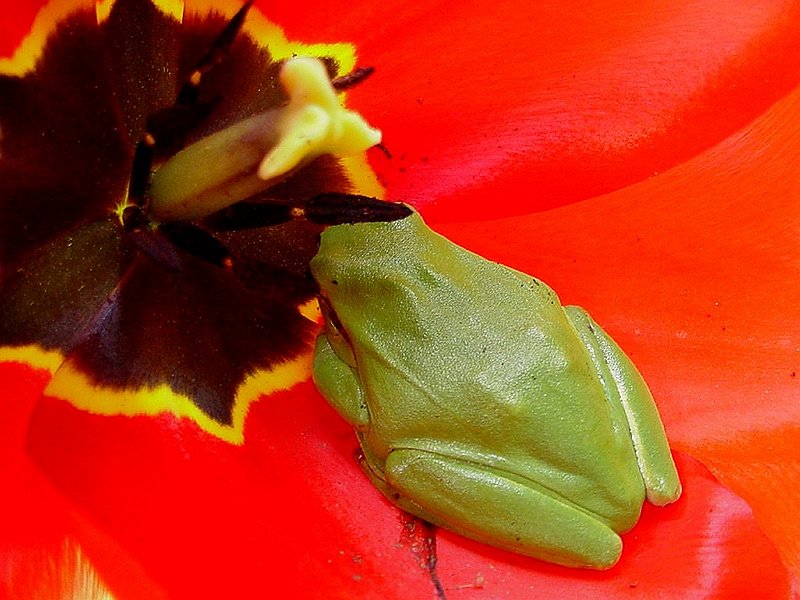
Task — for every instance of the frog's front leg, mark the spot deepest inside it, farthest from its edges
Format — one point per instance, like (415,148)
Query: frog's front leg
(338,383)
(492,507)
(626,388)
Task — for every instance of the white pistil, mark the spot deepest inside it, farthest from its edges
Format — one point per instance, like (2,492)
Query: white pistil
(254,154)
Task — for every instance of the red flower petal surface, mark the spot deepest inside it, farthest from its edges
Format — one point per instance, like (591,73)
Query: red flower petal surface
(543,103)
(16,23)
(290,514)
(505,110)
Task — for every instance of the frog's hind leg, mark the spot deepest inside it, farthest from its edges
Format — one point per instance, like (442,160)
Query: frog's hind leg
(624,385)
(487,506)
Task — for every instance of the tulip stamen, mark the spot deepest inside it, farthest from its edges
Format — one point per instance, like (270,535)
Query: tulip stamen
(255,154)
(345,82)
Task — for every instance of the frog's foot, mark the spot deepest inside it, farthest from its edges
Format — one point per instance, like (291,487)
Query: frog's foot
(486,506)
(625,387)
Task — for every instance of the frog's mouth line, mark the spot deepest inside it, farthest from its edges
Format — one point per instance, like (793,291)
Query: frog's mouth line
(332,318)
(337,335)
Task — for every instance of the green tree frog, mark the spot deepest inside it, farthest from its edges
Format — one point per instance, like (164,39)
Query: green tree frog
(481,403)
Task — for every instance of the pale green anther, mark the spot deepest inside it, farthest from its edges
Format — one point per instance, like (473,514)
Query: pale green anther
(252,155)
(314,123)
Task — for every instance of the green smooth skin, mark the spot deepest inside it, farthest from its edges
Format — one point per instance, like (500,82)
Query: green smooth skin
(481,404)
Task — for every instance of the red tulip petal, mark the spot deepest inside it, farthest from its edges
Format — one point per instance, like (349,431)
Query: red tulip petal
(290,514)
(40,555)
(695,272)
(545,103)
(16,22)
(764,468)
(209,519)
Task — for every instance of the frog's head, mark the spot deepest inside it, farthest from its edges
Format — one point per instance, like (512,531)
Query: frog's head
(369,284)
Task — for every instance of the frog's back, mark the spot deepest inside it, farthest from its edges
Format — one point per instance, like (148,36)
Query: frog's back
(546,420)
(507,383)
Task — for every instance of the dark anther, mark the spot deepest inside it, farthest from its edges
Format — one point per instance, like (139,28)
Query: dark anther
(170,125)
(197,242)
(162,243)
(336,209)
(188,94)
(224,41)
(140,172)
(386,152)
(344,82)
(326,209)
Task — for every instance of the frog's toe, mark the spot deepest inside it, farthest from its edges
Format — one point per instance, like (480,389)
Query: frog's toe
(625,387)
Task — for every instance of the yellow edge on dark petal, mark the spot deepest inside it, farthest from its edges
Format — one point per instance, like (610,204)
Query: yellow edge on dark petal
(173,8)
(72,385)
(30,48)
(265,33)
(33,356)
